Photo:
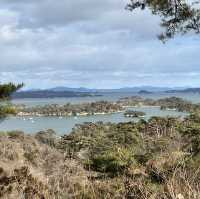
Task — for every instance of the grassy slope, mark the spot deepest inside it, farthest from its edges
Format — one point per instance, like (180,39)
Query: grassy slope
(158,160)
(34,170)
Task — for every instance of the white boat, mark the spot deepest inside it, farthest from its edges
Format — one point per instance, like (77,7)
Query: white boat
(171,109)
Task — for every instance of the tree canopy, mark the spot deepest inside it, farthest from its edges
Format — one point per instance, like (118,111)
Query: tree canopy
(177,16)
(7,89)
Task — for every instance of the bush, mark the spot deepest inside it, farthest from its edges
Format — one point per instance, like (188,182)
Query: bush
(15,134)
(7,89)
(30,156)
(113,161)
(191,134)
(7,110)
(48,137)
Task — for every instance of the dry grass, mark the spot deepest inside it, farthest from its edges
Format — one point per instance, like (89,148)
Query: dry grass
(32,170)
(46,173)
(184,185)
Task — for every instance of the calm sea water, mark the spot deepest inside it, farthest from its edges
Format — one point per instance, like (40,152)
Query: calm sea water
(106,96)
(64,125)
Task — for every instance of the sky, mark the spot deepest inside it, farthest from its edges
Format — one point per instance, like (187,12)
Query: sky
(94,44)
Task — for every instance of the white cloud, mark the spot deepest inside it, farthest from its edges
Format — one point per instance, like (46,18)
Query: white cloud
(86,42)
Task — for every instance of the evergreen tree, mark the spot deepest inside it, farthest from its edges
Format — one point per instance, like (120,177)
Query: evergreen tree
(177,16)
(6,90)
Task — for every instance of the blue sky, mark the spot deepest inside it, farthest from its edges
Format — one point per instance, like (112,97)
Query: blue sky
(95,44)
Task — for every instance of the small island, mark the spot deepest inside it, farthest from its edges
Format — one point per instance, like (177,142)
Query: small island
(105,107)
(131,113)
(85,109)
(144,92)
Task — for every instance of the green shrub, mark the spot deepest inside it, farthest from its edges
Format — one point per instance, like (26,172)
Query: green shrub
(114,161)
(6,90)
(30,156)
(191,134)
(15,134)
(7,110)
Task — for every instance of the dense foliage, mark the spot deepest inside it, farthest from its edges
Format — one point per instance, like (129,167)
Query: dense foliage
(157,159)
(147,154)
(7,89)
(7,110)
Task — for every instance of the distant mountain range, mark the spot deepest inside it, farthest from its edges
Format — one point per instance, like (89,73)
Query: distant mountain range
(187,90)
(83,92)
(81,89)
(125,89)
(50,94)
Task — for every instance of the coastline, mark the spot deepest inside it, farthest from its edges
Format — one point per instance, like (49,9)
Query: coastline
(24,114)
(141,106)
(102,107)
(70,114)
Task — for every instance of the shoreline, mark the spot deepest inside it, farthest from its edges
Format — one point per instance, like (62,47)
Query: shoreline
(21,114)
(141,106)
(24,114)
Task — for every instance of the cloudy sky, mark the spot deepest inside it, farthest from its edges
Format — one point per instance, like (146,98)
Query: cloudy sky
(88,43)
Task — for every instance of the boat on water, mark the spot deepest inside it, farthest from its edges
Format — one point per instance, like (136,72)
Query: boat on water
(171,109)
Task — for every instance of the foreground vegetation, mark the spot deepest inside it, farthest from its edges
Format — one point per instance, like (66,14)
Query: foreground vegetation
(6,110)
(6,90)
(155,159)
